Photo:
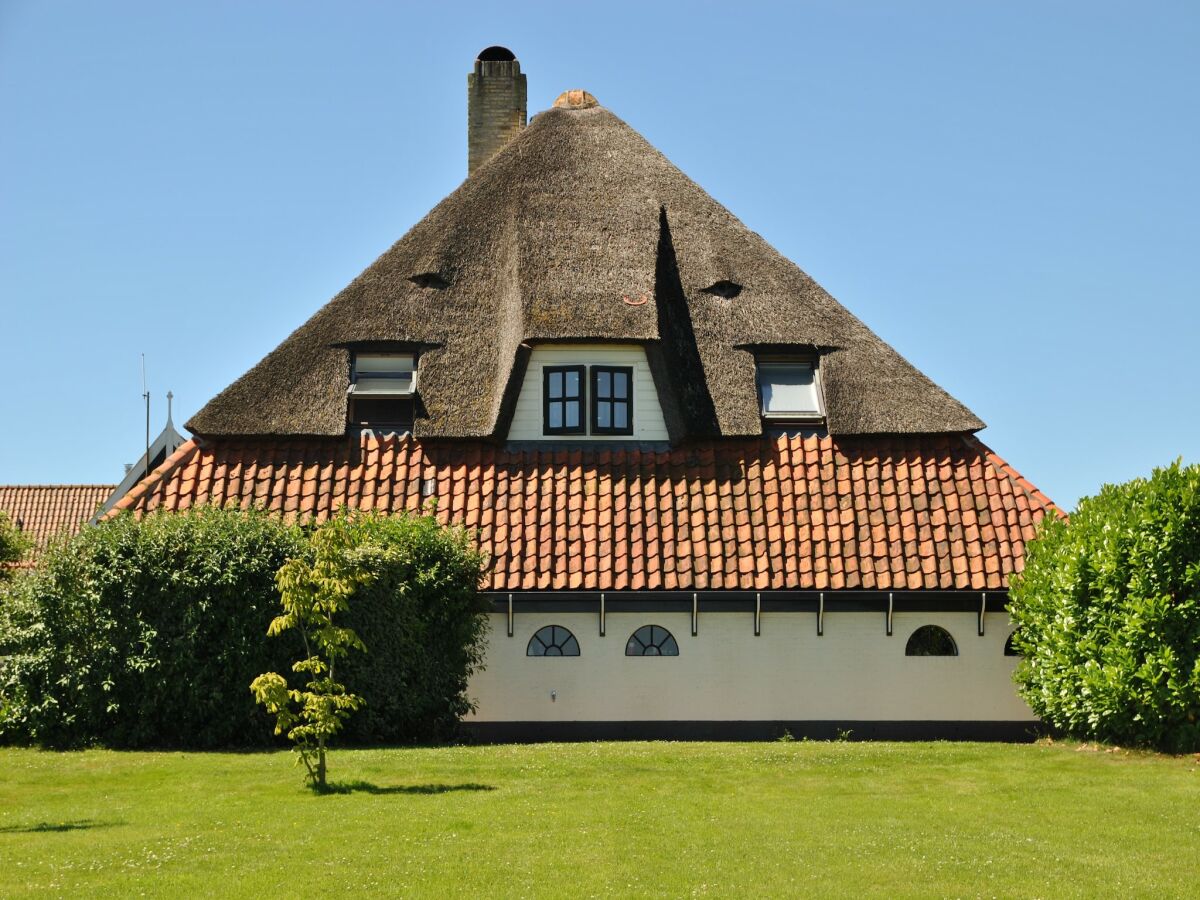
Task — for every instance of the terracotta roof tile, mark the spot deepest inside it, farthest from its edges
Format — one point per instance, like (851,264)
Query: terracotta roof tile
(45,511)
(772,513)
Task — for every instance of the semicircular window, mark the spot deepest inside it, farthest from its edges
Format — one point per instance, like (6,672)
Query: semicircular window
(553,640)
(724,288)
(930,640)
(651,640)
(1009,649)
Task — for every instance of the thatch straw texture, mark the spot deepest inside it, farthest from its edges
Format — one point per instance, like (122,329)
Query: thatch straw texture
(547,241)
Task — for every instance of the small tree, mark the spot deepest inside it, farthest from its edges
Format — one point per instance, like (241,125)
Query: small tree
(1108,615)
(313,591)
(13,545)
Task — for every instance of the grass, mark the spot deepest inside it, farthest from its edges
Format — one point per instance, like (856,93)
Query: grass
(826,819)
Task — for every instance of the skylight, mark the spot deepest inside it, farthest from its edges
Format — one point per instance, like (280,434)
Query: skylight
(384,375)
(789,390)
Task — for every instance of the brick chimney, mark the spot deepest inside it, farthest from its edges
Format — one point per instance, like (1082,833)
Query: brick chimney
(496,105)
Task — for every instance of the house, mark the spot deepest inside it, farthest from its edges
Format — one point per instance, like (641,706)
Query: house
(168,441)
(714,502)
(48,511)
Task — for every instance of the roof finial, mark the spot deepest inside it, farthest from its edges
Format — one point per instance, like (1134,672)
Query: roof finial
(170,397)
(575,99)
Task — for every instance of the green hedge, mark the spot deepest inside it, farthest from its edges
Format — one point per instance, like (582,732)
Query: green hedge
(424,624)
(148,633)
(1108,615)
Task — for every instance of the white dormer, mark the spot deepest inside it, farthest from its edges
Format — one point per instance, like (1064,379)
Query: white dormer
(588,392)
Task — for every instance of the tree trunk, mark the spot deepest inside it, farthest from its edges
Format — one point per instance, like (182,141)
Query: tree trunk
(321,763)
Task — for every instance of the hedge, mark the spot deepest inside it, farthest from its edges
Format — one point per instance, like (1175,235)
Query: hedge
(147,633)
(1108,615)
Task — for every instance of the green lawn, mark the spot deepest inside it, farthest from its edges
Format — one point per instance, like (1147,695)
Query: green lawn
(835,819)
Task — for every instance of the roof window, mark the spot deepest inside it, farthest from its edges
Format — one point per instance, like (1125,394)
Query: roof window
(789,389)
(384,375)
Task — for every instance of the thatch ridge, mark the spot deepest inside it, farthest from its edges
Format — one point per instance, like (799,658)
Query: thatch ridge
(546,241)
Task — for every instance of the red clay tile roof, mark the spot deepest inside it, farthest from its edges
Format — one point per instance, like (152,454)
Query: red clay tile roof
(821,513)
(46,510)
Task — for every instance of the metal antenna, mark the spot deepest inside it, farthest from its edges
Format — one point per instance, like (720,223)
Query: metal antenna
(146,397)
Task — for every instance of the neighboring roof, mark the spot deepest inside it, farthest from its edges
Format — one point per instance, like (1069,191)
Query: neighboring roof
(44,511)
(562,235)
(167,442)
(794,513)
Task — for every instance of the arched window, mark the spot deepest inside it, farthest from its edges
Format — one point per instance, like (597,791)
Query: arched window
(1009,649)
(651,640)
(930,640)
(553,640)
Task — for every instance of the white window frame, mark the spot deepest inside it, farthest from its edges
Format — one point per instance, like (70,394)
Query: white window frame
(767,364)
(380,383)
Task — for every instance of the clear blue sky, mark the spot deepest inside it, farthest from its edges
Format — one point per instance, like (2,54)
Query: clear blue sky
(1008,192)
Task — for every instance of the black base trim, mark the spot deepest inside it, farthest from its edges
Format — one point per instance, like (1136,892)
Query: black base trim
(539,732)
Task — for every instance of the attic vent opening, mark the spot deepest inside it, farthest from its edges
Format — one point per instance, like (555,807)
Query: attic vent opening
(496,53)
(429,280)
(724,289)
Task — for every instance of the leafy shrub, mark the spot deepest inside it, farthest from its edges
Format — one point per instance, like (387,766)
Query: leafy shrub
(424,624)
(1108,615)
(14,544)
(146,633)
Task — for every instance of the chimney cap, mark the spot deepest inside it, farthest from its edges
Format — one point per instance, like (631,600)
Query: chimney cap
(496,53)
(575,99)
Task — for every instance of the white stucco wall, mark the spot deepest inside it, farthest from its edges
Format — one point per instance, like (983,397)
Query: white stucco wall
(648,424)
(853,672)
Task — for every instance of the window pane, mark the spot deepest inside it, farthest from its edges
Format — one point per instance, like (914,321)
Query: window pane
(789,388)
(621,385)
(535,648)
(571,646)
(556,415)
(572,413)
(556,385)
(621,415)
(572,384)
(603,384)
(603,415)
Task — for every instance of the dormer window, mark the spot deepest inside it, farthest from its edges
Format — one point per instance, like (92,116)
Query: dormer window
(382,387)
(789,390)
(563,400)
(384,375)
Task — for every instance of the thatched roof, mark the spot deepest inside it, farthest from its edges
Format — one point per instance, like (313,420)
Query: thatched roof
(549,240)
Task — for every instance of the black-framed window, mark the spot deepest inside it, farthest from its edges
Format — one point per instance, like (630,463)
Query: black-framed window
(612,400)
(930,640)
(553,640)
(651,640)
(563,394)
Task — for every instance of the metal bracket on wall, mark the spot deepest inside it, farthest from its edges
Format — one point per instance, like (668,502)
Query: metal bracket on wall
(889,614)
(982,611)
(695,614)
(757,614)
(510,616)
(601,615)
(821,614)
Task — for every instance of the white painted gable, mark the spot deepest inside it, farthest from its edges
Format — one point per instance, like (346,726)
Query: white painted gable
(648,423)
